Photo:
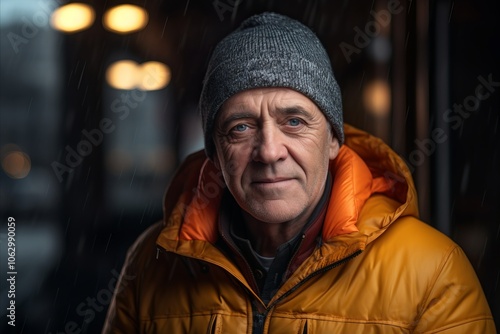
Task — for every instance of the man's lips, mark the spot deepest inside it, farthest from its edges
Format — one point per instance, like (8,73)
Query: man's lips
(272,180)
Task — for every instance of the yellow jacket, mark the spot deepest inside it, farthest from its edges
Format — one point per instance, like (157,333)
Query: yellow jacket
(378,268)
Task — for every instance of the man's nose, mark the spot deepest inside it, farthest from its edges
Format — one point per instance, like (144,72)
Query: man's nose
(270,145)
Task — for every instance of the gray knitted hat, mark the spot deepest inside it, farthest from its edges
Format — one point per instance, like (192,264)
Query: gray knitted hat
(270,50)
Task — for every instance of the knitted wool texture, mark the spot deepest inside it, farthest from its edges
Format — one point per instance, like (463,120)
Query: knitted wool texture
(270,50)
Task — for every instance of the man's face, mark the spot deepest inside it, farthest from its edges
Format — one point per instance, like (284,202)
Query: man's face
(273,146)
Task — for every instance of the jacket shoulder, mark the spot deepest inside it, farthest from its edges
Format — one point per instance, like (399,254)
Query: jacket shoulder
(434,268)
(420,234)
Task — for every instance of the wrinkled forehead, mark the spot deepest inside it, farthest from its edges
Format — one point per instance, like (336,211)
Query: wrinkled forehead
(272,99)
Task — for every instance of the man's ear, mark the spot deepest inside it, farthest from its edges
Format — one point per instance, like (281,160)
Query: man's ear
(334,147)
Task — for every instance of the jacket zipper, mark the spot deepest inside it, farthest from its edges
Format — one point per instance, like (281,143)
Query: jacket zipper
(302,282)
(314,274)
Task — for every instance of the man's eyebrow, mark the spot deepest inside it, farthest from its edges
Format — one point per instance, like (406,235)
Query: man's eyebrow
(224,122)
(295,110)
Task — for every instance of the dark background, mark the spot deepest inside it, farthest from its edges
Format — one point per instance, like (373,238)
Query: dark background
(72,234)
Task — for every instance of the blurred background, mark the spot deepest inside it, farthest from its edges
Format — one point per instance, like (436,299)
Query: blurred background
(98,106)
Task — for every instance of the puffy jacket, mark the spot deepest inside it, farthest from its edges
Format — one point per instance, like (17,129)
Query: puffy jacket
(377,269)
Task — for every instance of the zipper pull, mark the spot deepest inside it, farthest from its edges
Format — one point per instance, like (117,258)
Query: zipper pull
(157,252)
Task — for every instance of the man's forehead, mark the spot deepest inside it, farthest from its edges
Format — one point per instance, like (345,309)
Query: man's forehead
(276,98)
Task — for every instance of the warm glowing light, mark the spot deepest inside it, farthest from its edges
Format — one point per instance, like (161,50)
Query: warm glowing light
(123,74)
(155,75)
(127,74)
(15,163)
(377,97)
(73,17)
(125,19)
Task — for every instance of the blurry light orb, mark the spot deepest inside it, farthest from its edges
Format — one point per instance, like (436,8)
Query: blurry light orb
(16,164)
(73,17)
(154,75)
(377,97)
(123,74)
(128,75)
(125,19)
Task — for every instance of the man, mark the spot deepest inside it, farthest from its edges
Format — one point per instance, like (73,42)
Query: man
(291,222)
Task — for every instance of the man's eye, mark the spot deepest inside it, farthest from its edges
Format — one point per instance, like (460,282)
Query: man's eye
(294,122)
(240,127)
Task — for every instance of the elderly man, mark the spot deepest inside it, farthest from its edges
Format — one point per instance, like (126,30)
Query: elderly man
(289,221)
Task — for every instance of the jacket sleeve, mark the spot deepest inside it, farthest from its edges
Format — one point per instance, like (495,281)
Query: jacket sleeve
(123,312)
(455,302)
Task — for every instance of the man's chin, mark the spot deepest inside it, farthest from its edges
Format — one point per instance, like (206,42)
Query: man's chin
(274,213)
